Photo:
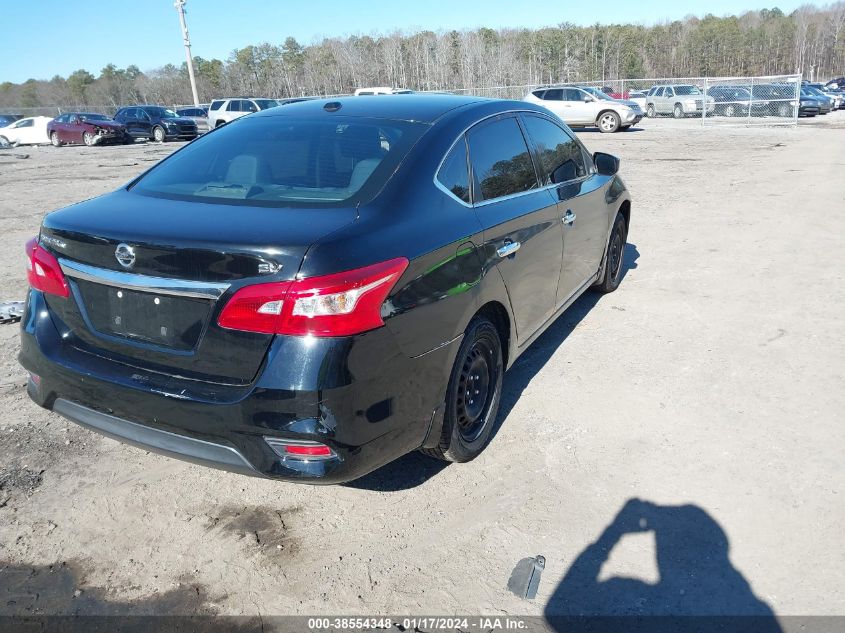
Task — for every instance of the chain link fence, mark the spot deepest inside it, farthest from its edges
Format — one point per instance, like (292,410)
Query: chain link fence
(771,100)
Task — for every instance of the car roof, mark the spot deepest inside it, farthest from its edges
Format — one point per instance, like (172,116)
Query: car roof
(425,108)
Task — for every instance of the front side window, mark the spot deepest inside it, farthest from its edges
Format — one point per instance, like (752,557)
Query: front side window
(24,123)
(453,173)
(500,160)
(283,161)
(560,155)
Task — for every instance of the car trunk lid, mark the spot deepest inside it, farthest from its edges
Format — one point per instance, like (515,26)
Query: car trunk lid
(149,277)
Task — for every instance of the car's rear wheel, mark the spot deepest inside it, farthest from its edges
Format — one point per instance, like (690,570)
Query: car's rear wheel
(89,139)
(159,134)
(649,111)
(784,110)
(678,112)
(608,122)
(730,110)
(614,256)
(54,139)
(473,394)
(219,123)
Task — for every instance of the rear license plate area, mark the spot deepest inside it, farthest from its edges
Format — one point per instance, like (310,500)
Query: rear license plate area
(145,317)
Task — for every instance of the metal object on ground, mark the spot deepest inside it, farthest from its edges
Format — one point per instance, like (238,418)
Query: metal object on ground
(525,577)
(11,311)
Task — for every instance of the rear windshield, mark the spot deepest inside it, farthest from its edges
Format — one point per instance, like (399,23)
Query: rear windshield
(285,161)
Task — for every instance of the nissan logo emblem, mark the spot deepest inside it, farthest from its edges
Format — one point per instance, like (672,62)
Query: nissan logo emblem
(125,255)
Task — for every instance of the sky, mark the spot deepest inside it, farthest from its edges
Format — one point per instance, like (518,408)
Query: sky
(43,38)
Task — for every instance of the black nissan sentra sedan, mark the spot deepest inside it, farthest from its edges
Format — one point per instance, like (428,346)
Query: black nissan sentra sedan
(312,291)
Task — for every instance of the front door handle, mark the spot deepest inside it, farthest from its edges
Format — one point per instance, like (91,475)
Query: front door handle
(508,249)
(569,217)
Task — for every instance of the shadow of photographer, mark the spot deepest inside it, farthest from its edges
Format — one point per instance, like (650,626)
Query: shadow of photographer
(697,583)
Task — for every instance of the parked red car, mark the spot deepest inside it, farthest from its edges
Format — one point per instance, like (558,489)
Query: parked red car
(86,127)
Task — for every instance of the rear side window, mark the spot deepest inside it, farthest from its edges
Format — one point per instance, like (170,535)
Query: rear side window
(540,94)
(284,161)
(453,173)
(500,160)
(560,155)
(555,94)
(234,106)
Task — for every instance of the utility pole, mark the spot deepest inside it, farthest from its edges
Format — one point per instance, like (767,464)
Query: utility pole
(180,7)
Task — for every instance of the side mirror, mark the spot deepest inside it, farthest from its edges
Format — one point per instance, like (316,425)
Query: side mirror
(587,99)
(606,164)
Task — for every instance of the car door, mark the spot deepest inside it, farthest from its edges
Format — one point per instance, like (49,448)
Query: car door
(144,124)
(25,131)
(75,129)
(581,111)
(552,99)
(233,109)
(128,117)
(579,193)
(667,102)
(519,218)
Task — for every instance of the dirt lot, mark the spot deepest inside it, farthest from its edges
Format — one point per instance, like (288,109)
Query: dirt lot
(710,386)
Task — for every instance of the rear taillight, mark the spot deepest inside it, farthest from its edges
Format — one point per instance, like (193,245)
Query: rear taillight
(340,304)
(43,270)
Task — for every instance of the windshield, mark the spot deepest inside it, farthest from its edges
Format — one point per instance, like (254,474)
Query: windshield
(161,113)
(285,161)
(94,117)
(687,90)
(598,94)
(265,104)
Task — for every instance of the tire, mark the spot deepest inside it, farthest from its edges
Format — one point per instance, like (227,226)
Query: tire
(784,110)
(54,140)
(159,135)
(650,112)
(89,139)
(128,139)
(678,112)
(477,372)
(730,110)
(614,257)
(608,122)
(219,123)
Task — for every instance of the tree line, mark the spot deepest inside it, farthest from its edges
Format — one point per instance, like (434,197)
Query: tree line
(810,40)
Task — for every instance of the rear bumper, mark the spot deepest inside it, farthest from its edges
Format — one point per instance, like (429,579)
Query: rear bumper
(359,395)
(163,442)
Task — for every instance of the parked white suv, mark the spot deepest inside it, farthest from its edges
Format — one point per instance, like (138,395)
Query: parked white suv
(225,110)
(678,100)
(587,107)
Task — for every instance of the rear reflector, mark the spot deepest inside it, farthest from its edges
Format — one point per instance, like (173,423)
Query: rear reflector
(43,270)
(299,449)
(341,304)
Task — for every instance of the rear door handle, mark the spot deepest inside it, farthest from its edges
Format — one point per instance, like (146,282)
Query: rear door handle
(508,249)
(569,217)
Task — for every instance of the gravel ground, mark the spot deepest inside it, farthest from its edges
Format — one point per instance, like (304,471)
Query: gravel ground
(709,388)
